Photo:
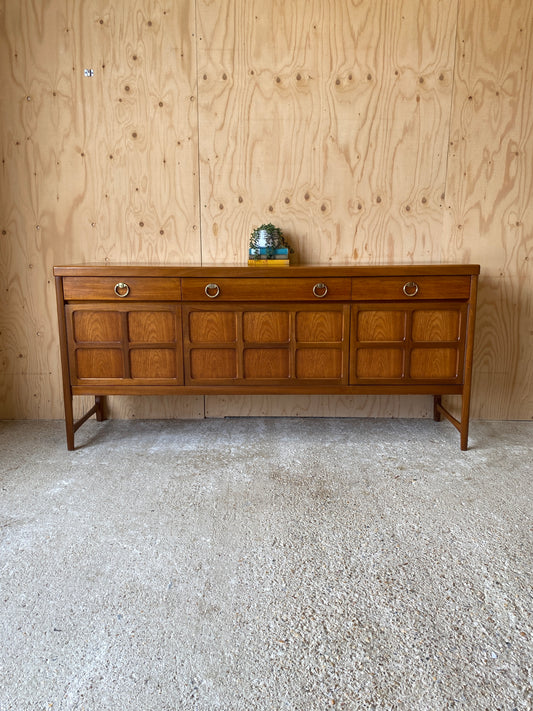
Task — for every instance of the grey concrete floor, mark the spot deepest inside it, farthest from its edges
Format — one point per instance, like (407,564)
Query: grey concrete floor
(265,564)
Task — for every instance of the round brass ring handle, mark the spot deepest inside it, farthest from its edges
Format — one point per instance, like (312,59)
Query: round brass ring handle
(212,291)
(410,288)
(121,289)
(320,290)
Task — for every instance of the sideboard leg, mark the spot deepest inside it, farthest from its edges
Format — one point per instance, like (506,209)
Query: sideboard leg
(464,437)
(99,402)
(465,419)
(72,425)
(462,425)
(69,422)
(469,356)
(437,400)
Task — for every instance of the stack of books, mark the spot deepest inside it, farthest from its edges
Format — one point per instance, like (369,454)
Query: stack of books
(268,257)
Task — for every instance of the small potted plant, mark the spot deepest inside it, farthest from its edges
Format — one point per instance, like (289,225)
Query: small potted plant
(267,242)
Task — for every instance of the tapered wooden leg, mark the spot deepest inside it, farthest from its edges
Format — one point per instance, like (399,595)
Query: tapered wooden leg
(464,437)
(437,399)
(465,419)
(72,426)
(462,425)
(69,421)
(469,355)
(99,402)
(67,393)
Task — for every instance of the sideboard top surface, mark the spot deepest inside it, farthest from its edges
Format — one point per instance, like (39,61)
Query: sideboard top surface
(175,270)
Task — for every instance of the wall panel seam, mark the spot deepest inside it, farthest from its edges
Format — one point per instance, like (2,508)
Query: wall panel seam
(452,105)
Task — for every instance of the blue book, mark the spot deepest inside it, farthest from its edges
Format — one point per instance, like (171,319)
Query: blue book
(269,252)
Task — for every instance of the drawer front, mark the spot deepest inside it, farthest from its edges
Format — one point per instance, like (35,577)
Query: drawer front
(410,288)
(265,289)
(121,288)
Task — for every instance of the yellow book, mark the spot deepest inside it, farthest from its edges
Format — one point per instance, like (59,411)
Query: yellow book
(268,262)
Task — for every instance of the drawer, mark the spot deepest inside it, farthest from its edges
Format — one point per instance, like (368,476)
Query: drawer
(410,288)
(118,288)
(267,289)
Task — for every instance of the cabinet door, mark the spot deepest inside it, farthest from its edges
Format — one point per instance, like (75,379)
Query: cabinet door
(124,344)
(265,345)
(399,343)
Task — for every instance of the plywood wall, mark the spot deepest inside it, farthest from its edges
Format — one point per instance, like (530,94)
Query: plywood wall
(371,131)
(489,195)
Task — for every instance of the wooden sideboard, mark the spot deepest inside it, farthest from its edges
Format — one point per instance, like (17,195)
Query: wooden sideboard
(147,330)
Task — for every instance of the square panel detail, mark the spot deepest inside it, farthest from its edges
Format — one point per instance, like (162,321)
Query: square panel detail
(318,363)
(213,364)
(436,325)
(381,325)
(269,363)
(212,327)
(434,363)
(96,326)
(379,363)
(152,326)
(99,363)
(319,326)
(265,326)
(153,363)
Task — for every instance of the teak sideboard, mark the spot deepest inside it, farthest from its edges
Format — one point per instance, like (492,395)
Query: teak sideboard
(147,330)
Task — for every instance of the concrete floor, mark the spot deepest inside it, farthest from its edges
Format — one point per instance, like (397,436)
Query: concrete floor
(265,564)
